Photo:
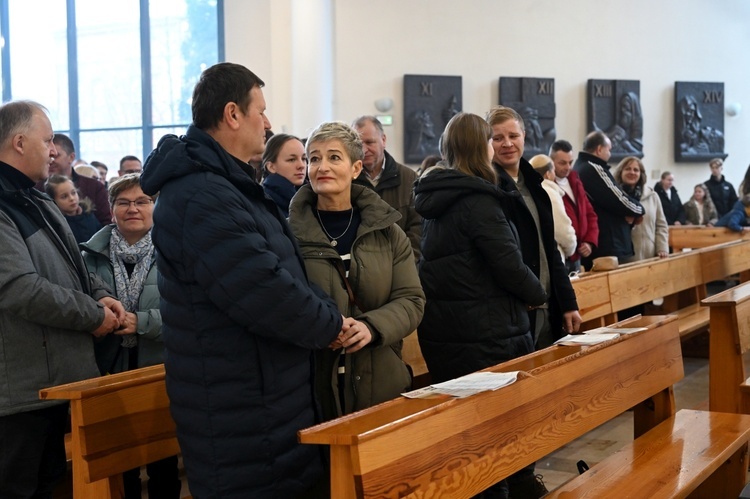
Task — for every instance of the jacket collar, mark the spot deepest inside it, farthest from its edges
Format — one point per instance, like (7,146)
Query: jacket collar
(13,178)
(375,213)
(590,158)
(388,178)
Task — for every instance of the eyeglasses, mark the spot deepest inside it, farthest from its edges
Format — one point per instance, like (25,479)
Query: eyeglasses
(124,204)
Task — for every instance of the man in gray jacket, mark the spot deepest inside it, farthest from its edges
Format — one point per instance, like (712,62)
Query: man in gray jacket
(49,308)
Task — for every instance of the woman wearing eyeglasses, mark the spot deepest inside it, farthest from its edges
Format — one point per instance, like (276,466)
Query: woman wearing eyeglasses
(122,254)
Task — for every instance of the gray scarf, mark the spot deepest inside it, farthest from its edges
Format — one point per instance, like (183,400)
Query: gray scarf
(129,288)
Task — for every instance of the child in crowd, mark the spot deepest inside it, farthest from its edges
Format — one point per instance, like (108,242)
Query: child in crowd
(738,218)
(77,212)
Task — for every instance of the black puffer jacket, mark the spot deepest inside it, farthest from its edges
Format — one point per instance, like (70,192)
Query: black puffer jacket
(674,211)
(239,324)
(476,283)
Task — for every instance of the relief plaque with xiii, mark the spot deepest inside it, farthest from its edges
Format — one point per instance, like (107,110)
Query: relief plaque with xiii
(614,107)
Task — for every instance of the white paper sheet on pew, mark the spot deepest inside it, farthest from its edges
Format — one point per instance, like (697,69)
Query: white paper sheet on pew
(466,385)
(597,335)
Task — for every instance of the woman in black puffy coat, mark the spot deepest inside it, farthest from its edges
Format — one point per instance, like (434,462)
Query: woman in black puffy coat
(478,289)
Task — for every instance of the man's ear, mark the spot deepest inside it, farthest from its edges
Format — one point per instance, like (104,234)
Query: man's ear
(231,115)
(18,142)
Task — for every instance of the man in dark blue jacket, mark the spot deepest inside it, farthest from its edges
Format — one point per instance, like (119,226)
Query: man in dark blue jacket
(240,320)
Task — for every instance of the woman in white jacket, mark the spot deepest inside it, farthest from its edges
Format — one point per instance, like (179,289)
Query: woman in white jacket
(651,236)
(565,235)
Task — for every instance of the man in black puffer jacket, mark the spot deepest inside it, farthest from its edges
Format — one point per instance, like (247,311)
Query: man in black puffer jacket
(240,320)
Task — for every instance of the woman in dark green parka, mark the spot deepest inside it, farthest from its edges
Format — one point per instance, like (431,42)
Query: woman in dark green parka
(349,238)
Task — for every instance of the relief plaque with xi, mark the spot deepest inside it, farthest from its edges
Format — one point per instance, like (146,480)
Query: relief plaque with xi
(698,121)
(534,100)
(429,103)
(614,107)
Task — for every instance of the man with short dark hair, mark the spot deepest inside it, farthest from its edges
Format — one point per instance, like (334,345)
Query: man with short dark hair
(392,181)
(577,205)
(49,308)
(102,171)
(130,164)
(617,212)
(90,188)
(240,321)
(530,210)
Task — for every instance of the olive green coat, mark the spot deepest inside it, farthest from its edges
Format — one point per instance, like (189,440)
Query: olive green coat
(384,279)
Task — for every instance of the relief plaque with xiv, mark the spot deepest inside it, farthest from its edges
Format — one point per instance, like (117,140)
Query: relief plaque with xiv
(698,121)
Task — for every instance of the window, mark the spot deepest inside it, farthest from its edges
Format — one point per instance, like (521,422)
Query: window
(115,76)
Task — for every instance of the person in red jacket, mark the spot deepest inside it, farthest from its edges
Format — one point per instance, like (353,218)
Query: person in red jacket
(577,205)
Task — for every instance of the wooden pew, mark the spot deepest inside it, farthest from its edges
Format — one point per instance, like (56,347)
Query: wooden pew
(680,280)
(724,260)
(700,236)
(412,355)
(695,454)
(594,301)
(677,281)
(119,422)
(730,339)
(446,447)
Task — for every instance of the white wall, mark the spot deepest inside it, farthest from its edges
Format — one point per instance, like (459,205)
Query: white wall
(375,43)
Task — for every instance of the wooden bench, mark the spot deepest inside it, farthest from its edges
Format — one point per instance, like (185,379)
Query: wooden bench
(447,447)
(412,355)
(118,422)
(730,339)
(694,453)
(700,236)
(679,281)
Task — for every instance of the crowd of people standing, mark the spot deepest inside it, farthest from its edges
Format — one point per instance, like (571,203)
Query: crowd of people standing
(277,276)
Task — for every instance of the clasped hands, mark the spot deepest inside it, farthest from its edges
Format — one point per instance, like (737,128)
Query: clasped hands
(116,319)
(354,336)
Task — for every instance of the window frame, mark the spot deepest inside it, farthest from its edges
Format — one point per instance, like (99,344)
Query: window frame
(147,127)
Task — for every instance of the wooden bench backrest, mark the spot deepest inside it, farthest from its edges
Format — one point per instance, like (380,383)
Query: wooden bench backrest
(119,422)
(729,340)
(412,355)
(723,260)
(459,447)
(692,236)
(592,294)
(656,278)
